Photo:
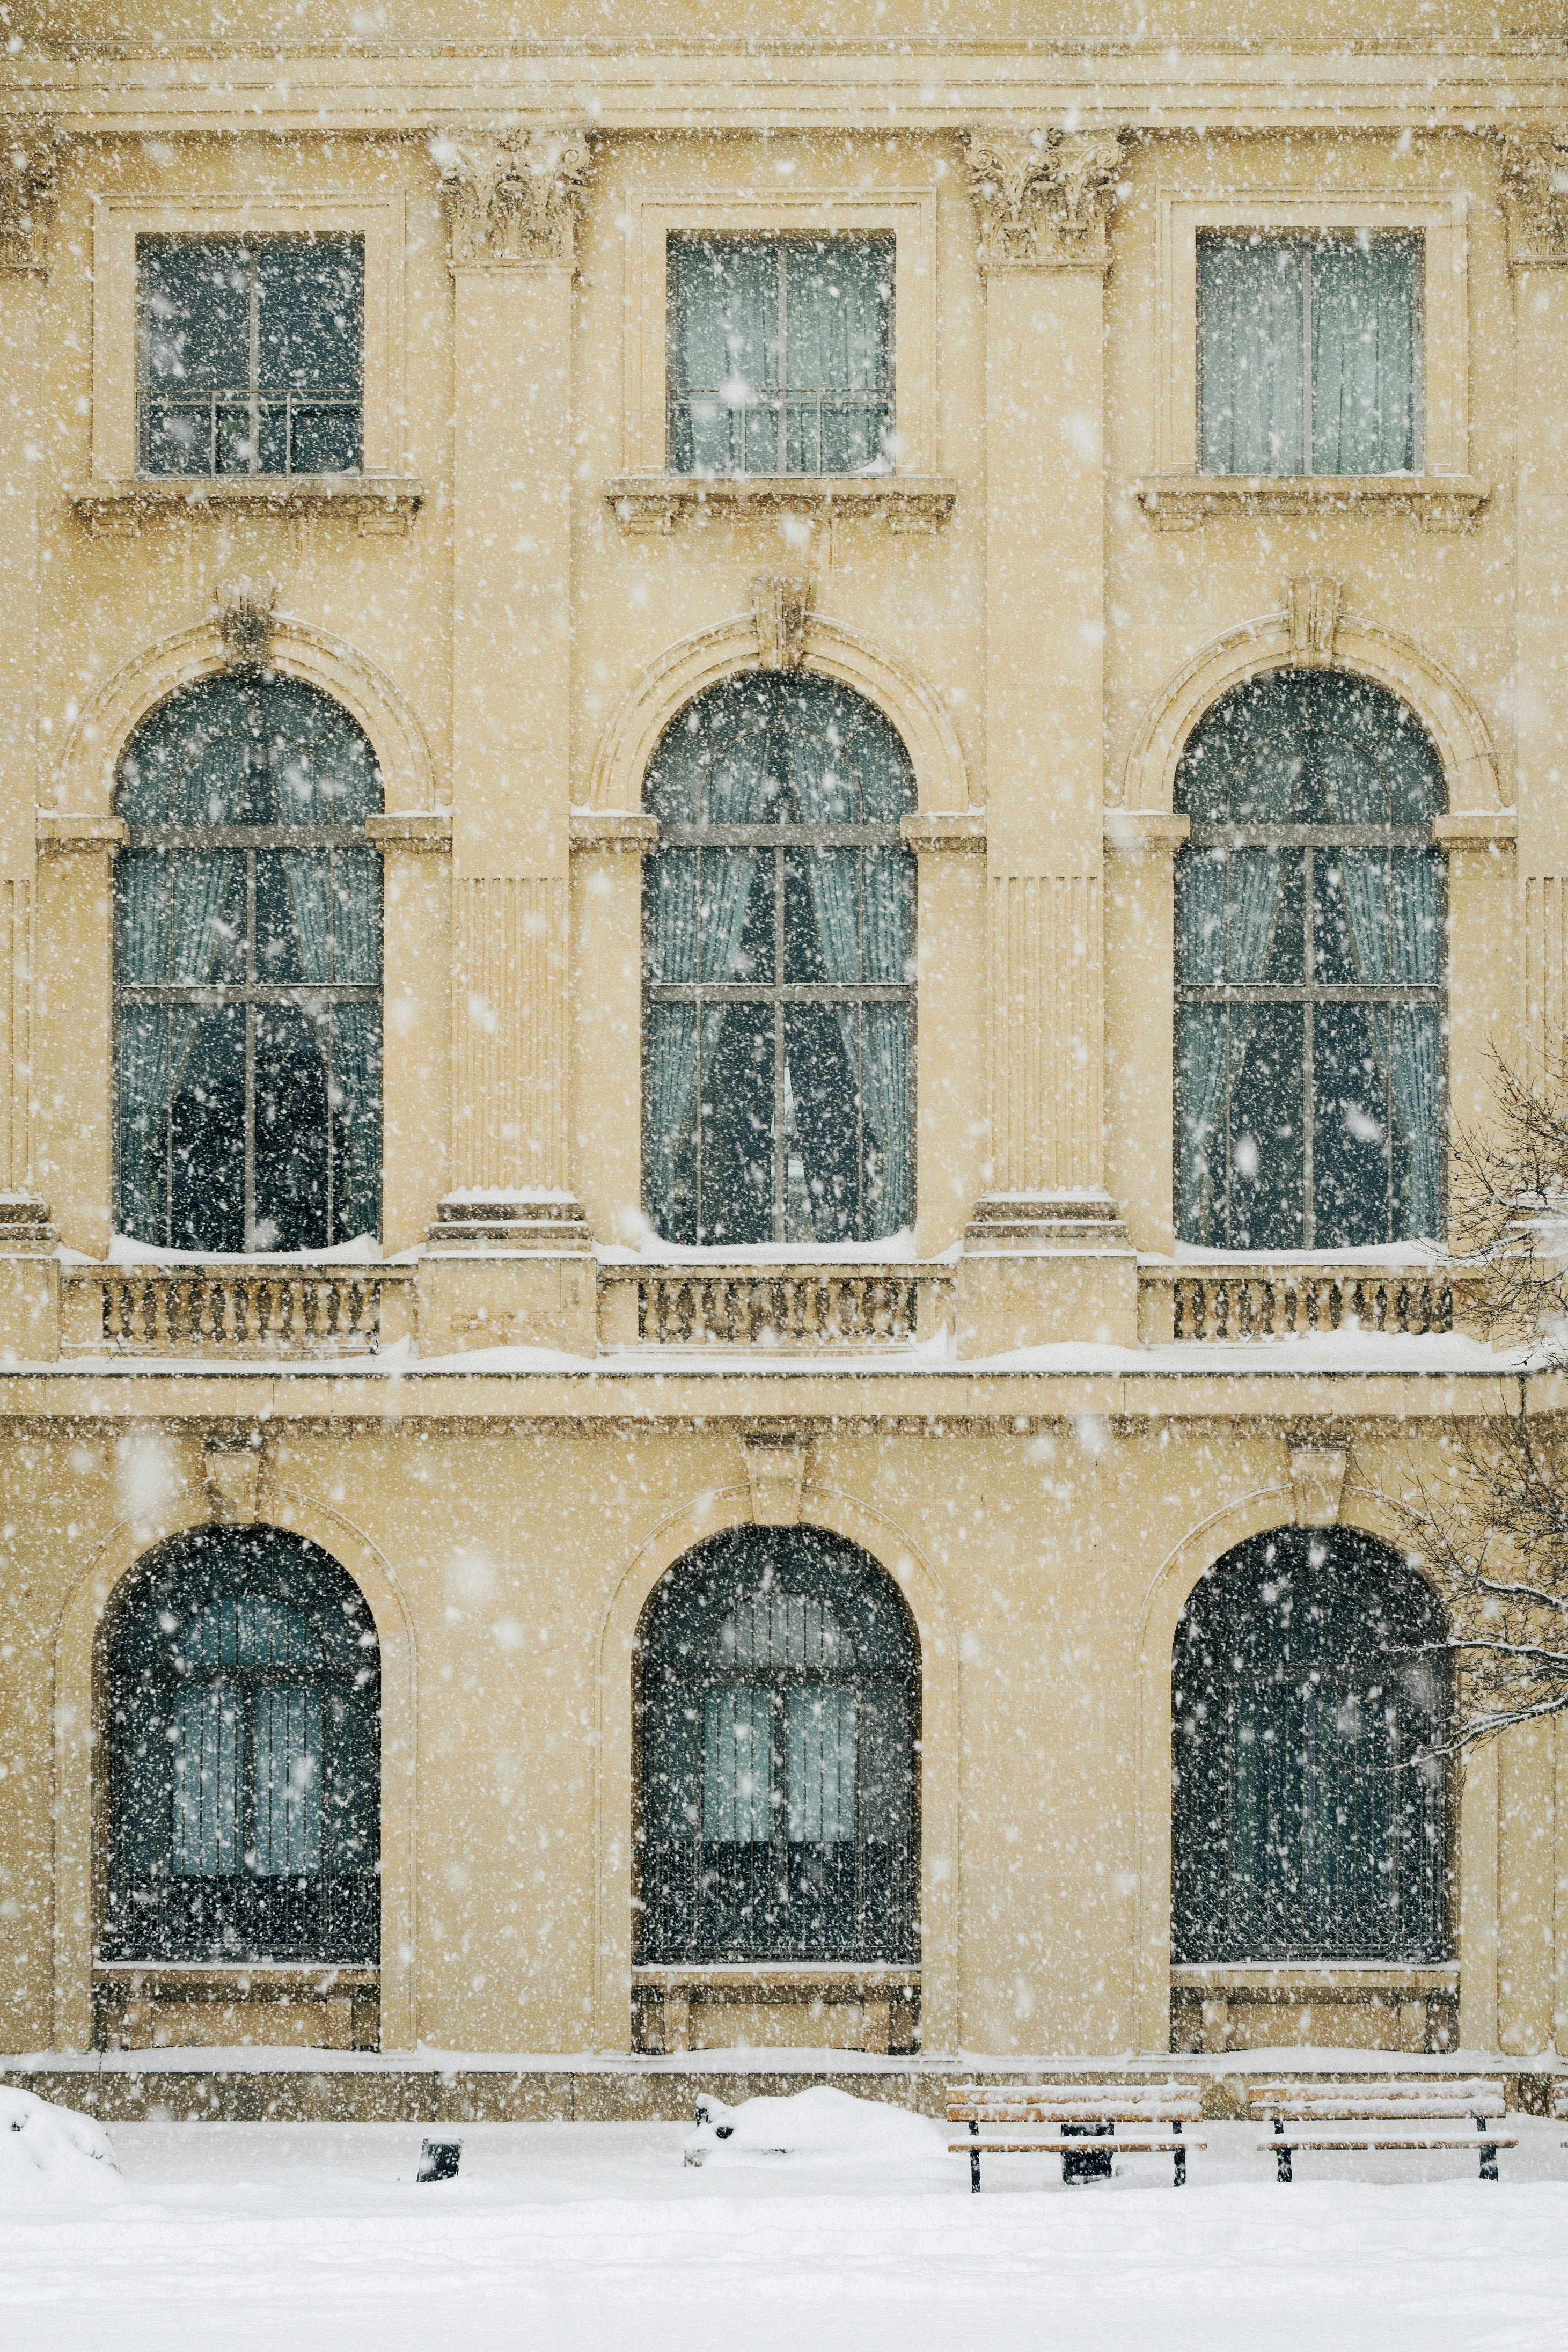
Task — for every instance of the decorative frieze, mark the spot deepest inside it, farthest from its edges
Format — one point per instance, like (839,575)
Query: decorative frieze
(1044,198)
(27,202)
(514,199)
(782,603)
(1535,202)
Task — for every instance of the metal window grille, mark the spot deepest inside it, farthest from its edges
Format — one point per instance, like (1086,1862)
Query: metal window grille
(251,356)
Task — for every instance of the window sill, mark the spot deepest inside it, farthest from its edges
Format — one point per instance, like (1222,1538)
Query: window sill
(379,501)
(650,504)
(1441,502)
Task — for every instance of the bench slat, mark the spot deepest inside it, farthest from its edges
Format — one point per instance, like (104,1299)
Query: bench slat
(1138,2144)
(1467,2143)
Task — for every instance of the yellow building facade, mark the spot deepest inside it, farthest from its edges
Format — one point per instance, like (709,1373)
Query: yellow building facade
(964,1469)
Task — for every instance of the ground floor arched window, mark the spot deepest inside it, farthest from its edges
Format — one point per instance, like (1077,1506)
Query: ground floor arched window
(777,1717)
(244,1756)
(1310,1811)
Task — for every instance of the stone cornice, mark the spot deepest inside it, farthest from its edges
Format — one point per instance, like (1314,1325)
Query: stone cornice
(1044,197)
(515,199)
(26,198)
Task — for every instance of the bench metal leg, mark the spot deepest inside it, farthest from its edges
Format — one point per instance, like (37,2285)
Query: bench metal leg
(1181,2180)
(1489,2161)
(975,2172)
(1282,2163)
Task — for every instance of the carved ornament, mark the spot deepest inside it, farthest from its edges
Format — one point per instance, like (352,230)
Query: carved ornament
(1044,198)
(26,201)
(1535,203)
(1317,1480)
(781,603)
(515,199)
(1312,607)
(247,615)
(776,1473)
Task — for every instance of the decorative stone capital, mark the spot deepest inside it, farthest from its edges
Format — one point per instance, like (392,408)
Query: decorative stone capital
(1317,1481)
(247,615)
(781,603)
(1044,198)
(26,201)
(1312,607)
(515,199)
(1535,203)
(776,1470)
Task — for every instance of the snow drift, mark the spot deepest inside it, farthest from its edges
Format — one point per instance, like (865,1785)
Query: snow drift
(821,2122)
(50,2155)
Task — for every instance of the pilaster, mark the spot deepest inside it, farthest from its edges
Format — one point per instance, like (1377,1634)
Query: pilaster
(513,204)
(1044,200)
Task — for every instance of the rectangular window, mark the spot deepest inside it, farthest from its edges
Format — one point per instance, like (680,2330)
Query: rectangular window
(781,355)
(1308,353)
(251,355)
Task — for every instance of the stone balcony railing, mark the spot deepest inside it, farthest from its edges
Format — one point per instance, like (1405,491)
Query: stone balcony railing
(1230,1300)
(800,1307)
(234,1309)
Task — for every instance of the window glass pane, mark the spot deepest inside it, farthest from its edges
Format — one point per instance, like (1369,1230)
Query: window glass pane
(671,881)
(723,353)
(822,1141)
(356,886)
(737,1141)
(310,306)
(1251,354)
(355,1097)
(737,1766)
(1365,327)
(288,1780)
(206,1149)
(819,1742)
(1353,1178)
(325,440)
(292,1131)
(822,915)
(196,313)
(208,1746)
(888,906)
(1267,1162)
(736,914)
(840,307)
(670,1121)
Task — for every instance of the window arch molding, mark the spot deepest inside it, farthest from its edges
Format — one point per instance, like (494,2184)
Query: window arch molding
(89,762)
(1434,696)
(80,1668)
(1363,1508)
(887,1543)
(910,705)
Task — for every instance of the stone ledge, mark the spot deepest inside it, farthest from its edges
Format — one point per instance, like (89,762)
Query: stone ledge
(60,829)
(373,499)
(654,502)
(934,830)
(1441,502)
(427,833)
(614,829)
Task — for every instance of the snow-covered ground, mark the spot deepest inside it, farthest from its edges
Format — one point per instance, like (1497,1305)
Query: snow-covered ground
(596,2238)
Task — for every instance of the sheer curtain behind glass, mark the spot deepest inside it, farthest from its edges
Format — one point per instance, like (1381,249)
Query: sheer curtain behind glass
(781,355)
(779,921)
(248,925)
(1308,354)
(1310,1814)
(1311,914)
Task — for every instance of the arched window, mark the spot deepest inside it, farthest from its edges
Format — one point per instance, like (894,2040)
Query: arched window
(1311,1816)
(777,1712)
(1309,960)
(778,945)
(247,927)
(244,1756)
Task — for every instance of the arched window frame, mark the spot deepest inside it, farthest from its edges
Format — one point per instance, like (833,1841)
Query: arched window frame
(317,998)
(779,843)
(735,1898)
(258,1906)
(1316,842)
(1281,1622)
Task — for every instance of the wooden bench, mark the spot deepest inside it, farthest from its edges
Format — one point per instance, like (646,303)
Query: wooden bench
(1341,2116)
(1005,2119)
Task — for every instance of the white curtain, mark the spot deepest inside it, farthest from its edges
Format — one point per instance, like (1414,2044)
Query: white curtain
(287,1781)
(1251,349)
(819,1750)
(1364,311)
(737,1766)
(1226,905)
(208,1747)
(1395,903)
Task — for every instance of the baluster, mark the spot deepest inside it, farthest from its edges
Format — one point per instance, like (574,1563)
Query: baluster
(158,1290)
(114,1317)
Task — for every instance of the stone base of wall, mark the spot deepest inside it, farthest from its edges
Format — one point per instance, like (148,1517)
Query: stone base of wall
(781,2008)
(1411,2010)
(200,2007)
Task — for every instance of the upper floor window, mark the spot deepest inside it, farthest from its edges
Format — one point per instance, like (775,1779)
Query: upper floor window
(1308,353)
(781,355)
(248,972)
(251,355)
(778,956)
(1309,957)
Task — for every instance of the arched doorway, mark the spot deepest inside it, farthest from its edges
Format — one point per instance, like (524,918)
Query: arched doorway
(777,1713)
(248,972)
(244,1738)
(1310,1809)
(778,1091)
(1310,963)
